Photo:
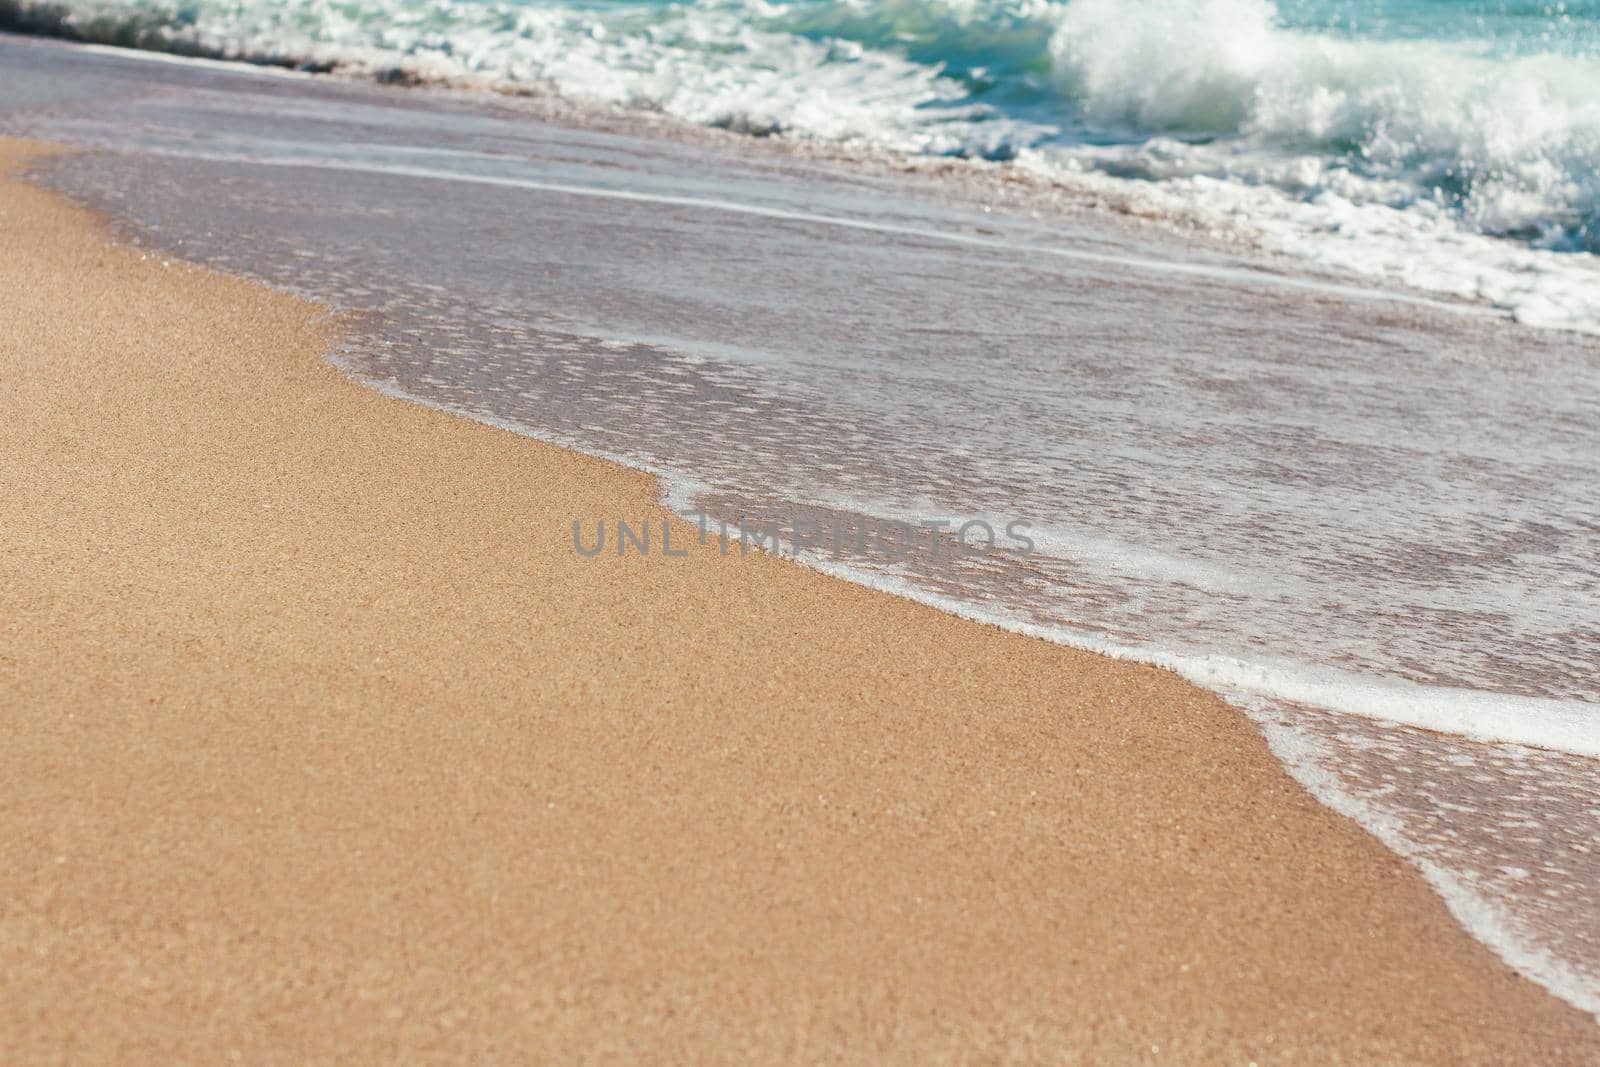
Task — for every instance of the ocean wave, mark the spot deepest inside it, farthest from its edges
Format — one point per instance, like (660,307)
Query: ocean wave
(1462,162)
(1511,145)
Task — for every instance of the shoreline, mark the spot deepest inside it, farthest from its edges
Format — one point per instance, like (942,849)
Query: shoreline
(326,742)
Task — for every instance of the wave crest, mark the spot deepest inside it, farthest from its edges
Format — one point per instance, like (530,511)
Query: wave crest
(1512,145)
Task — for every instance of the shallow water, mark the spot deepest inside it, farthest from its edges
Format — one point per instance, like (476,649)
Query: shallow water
(1355,512)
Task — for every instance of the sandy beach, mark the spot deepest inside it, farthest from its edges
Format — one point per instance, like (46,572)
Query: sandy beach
(323,745)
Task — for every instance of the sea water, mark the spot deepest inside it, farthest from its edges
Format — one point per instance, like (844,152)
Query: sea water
(1368,514)
(1451,145)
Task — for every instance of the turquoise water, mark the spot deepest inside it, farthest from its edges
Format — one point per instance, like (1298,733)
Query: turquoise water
(1498,28)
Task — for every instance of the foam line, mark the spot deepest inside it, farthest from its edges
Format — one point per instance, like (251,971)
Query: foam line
(1139,263)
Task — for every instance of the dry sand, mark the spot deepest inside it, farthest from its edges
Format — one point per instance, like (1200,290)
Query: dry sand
(321,744)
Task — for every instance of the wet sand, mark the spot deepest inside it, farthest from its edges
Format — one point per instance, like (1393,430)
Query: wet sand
(323,745)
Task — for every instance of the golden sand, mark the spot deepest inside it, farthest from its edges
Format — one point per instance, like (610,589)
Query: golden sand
(321,744)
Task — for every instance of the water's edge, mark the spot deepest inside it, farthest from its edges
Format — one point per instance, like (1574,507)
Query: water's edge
(1475,912)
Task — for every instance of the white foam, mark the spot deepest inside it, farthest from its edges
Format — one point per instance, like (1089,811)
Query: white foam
(1474,909)
(1569,726)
